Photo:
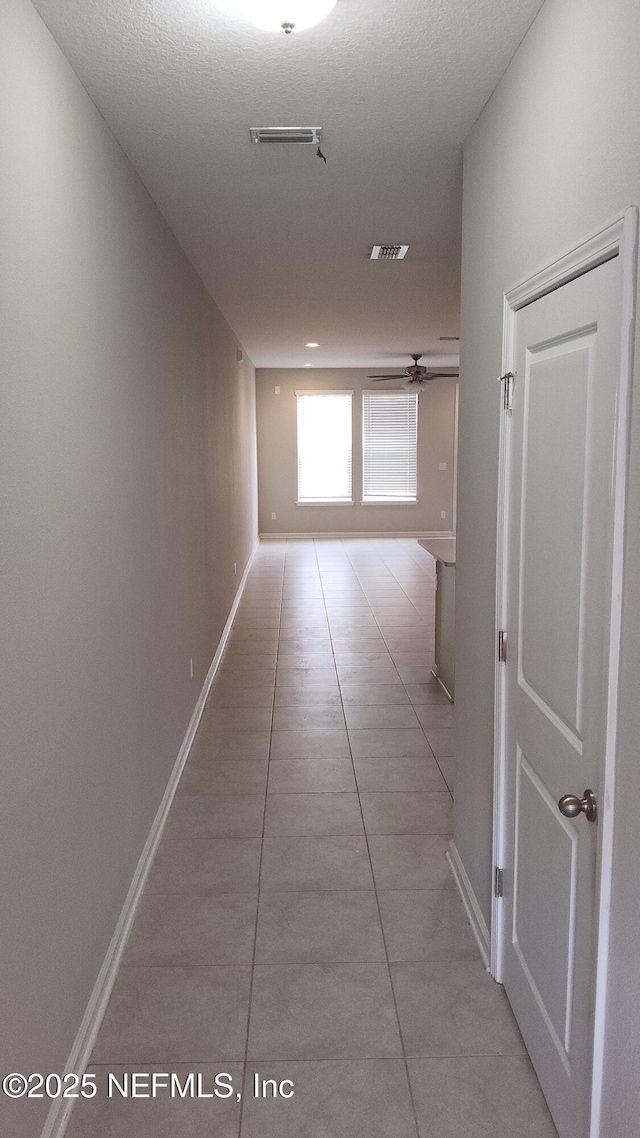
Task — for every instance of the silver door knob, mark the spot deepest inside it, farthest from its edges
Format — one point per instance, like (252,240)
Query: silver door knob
(570,805)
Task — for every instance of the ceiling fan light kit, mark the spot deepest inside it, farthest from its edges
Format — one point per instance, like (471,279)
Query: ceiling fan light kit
(416,376)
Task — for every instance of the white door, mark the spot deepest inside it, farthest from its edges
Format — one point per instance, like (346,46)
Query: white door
(560,519)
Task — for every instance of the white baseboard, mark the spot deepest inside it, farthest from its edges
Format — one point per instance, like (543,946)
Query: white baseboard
(426,535)
(470,901)
(58,1116)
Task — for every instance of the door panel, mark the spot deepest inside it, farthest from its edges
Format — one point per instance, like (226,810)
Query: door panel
(544,902)
(558,581)
(557,396)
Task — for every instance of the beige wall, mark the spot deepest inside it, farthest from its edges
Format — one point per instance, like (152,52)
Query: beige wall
(277,470)
(127,439)
(554,156)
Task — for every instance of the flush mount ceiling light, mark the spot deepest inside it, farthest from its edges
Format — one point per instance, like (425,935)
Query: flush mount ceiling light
(285,15)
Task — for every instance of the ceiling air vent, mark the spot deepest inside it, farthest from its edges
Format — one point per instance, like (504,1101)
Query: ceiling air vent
(388,252)
(296,135)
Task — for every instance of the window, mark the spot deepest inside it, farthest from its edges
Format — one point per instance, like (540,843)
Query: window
(324,446)
(389,446)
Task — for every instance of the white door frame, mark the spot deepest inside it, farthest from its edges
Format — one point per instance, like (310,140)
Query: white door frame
(618,239)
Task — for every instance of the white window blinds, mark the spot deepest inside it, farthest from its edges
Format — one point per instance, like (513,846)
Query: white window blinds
(389,446)
(324,446)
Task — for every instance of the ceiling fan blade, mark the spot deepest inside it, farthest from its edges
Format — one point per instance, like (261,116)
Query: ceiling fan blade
(442,375)
(404,376)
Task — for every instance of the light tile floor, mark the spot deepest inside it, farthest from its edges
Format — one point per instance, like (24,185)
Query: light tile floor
(300,920)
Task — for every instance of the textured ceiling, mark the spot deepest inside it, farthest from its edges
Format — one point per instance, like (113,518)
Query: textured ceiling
(279,238)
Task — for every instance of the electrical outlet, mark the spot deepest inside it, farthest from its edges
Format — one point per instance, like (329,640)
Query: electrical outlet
(443,513)
(277,390)
(273,517)
(191,668)
(442,466)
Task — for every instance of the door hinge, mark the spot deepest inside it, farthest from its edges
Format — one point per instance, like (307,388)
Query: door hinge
(502,646)
(498,882)
(507,381)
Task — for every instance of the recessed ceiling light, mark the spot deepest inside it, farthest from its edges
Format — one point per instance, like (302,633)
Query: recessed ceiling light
(285,15)
(312,344)
(307,365)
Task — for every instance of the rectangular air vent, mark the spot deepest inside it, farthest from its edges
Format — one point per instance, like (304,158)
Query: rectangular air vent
(388,252)
(296,135)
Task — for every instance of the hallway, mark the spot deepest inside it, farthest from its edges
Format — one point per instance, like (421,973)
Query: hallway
(300,919)
(215,331)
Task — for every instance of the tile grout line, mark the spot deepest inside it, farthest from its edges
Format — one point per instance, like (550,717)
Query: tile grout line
(404,1050)
(435,757)
(421,727)
(355,1059)
(375,890)
(378,624)
(393,993)
(255,929)
(260,890)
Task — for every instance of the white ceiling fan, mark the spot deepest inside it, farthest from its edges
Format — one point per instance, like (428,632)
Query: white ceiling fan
(416,376)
